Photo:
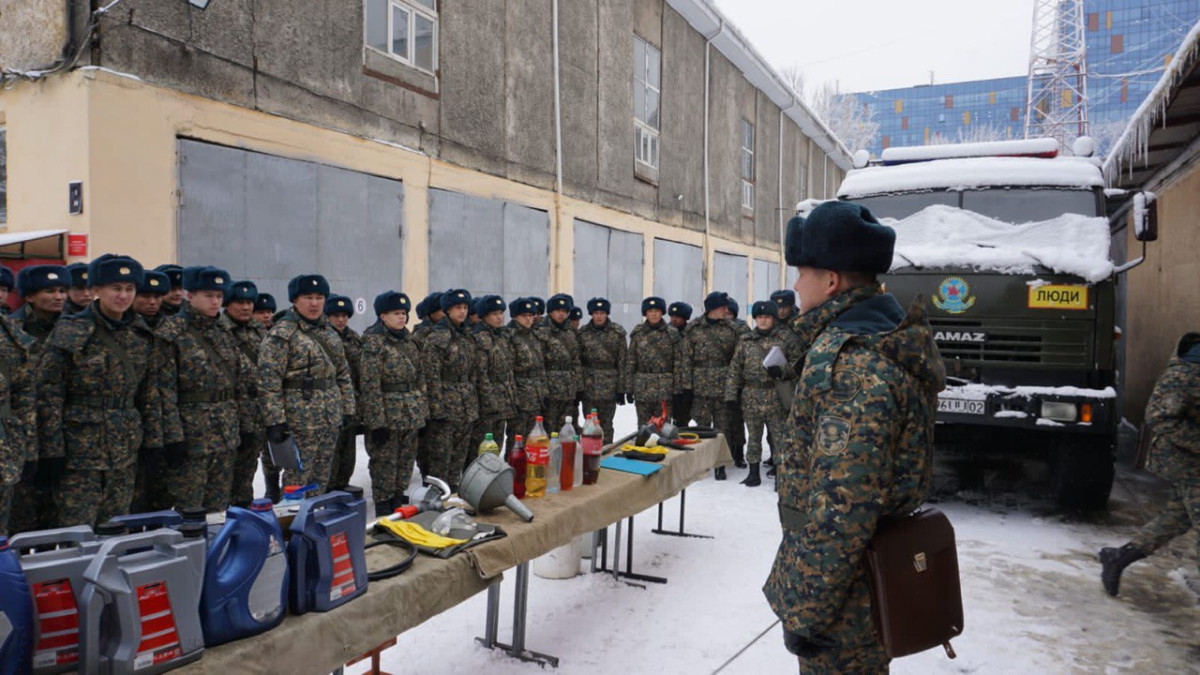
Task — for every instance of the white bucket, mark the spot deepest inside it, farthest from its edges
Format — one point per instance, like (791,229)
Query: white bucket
(585,545)
(561,563)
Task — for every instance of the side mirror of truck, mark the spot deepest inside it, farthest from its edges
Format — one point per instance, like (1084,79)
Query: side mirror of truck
(1145,216)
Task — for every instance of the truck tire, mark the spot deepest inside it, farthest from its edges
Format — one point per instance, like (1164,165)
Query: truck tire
(1082,472)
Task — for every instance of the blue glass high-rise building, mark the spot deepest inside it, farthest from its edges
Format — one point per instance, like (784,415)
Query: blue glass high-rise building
(1129,43)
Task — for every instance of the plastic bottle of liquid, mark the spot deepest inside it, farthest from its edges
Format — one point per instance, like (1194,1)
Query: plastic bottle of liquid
(572,461)
(554,468)
(517,460)
(537,452)
(489,445)
(592,442)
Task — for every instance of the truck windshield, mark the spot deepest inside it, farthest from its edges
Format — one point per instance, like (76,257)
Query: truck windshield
(1011,205)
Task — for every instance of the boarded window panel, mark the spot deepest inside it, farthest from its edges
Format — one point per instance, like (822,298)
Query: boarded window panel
(731,274)
(608,264)
(526,252)
(790,276)
(949,100)
(766,279)
(679,273)
(283,211)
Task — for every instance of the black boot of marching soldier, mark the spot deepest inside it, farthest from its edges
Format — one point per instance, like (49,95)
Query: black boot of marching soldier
(753,479)
(719,473)
(1113,562)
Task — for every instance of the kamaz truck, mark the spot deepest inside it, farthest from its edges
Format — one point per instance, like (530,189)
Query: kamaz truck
(1008,243)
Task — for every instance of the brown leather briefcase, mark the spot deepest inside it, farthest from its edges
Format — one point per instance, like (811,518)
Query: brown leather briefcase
(916,600)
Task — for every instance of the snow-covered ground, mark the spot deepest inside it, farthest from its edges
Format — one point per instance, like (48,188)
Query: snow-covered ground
(1031,589)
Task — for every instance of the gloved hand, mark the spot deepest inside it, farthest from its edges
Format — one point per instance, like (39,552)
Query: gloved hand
(278,433)
(379,436)
(620,399)
(775,372)
(246,439)
(49,469)
(175,453)
(629,398)
(28,471)
(806,647)
(348,423)
(147,455)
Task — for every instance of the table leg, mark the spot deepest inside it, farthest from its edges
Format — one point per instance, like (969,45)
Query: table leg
(682,515)
(629,573)
(491,624)
(517,649)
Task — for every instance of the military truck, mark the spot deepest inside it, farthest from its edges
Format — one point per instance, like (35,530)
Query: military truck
(1021,294)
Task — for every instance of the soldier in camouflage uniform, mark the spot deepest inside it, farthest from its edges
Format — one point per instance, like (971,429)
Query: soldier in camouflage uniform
(97,399)
(264,312)
(1173,414)
(737,423)
(8,282)
(238,320)
(393,400)
(340,309)
(539,306)
(430,312)
(205,395)
(173,300)
(860,443)
(79,293)
(18,396)
(680,314)
(529,367)
(497,384)
(785,300)
(564,369)
(755,384)
(44,289)
(653,362)
(708,346)
(264,309)
(148,302)
(602,349)
(452,372)
(304,384)
(574,317)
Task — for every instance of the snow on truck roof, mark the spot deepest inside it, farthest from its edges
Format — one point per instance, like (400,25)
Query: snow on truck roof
(1044,147)
(969,173)
(942,236)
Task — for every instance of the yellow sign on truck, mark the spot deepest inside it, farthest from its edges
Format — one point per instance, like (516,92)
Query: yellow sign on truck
(1058,296)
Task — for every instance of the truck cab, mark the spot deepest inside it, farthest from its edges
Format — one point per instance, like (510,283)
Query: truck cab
(1008,243)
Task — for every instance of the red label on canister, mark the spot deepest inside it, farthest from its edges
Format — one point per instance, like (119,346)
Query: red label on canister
(58,624)
(343,583)
(160,639)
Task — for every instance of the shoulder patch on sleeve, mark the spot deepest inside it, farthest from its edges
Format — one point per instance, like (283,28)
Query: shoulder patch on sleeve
(833,435)
(845,385)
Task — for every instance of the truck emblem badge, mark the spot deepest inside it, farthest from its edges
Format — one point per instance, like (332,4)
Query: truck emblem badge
(954,296)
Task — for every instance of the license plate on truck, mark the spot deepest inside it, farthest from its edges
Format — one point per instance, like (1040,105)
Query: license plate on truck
(962,406)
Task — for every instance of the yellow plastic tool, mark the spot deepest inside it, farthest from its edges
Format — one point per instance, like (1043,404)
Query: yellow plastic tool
(655,450)
(417,535)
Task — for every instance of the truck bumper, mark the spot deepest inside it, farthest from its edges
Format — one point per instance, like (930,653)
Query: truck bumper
(1045,410)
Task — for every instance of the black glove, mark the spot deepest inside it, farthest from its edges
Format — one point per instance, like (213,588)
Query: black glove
(806,647)
(147,455)
(629,398)
(278,433)
(246,439)
(175,453)
(49,469)
(620,399)
(28,471)
(348,423)
(379,436)
(775,372)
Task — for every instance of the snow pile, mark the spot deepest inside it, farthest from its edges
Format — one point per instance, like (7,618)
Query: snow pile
(980,392)
(1022,147)
(945,236)
(972,173)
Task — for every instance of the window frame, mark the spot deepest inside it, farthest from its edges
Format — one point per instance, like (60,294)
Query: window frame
(414,9)
(747,153)
(646,137)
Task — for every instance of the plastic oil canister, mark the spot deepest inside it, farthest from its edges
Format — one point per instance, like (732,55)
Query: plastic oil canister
(245,576)
(54,562)
(325,552)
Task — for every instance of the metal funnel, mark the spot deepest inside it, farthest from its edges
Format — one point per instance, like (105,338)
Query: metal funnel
(488,484)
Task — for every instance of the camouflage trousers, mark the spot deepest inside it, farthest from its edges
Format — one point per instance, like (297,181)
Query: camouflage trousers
(33,507)
(709,411)
(1180,514)
(150,486)
(201,481)
(651,408)
(448,441)
(496,426)
(521,424)
(391,464)
(607,408)
(755,424)
(271,475)
(6,493)
(555,415)
(737,434)
(245,465)
(316,456)
(858,660)
(344,455)
(92,497)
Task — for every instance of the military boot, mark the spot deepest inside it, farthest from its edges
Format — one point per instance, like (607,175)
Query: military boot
(719,473)
(1113,561)
(771,471)
(753,479)
(383,508)
(739,456)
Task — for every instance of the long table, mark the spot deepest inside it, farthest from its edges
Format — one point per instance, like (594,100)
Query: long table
(322,641)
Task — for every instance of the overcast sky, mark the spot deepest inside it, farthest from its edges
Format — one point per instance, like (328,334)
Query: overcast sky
(883,44)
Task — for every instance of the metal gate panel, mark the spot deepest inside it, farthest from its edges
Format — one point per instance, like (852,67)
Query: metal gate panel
(766,277)
(591,261)
(790,275)
(526,252)
(212,195)
(730,274)
(679,273)
(608,263)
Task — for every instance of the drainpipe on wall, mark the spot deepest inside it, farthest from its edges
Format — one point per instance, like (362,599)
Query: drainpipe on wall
(707,249)
(558,162)
(783,218)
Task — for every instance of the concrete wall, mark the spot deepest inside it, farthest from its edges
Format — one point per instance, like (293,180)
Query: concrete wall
(1163,298)
(32,33)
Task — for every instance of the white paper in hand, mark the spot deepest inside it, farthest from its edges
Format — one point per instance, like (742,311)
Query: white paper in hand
(775,357)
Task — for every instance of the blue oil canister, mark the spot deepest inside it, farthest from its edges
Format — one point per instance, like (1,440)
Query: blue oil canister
(140,609)
(152,520)
(54,562)
(245,577)
(16,614)
(326,554)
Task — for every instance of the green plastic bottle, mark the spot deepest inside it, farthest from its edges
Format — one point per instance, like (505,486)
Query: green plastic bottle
(489,445)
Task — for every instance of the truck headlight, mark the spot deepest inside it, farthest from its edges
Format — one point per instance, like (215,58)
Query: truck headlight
(1059,411)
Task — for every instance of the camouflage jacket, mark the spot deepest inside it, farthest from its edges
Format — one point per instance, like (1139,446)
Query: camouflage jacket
(452,373)
(708,348)
(497,385)
(248,337)
(98,402)
(352,343)
(564,369)
(36,327)
(155,320)
(393,381)
(303,376)
(859,447)
(748,379)
(529,366)
(70,308)
(603,354)
(18,398)
(654,361)
(204,383)
(422,331)
(1173,413)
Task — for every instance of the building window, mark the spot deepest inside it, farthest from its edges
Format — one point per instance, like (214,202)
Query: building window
(899,106)
(747,165)
(3,176)
(904,122)
(1093,20)
(1014,114)
(406,30)
(1124,90)
(887,142)
(1118,44)
(803,174)
(949,100)
(647,92)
